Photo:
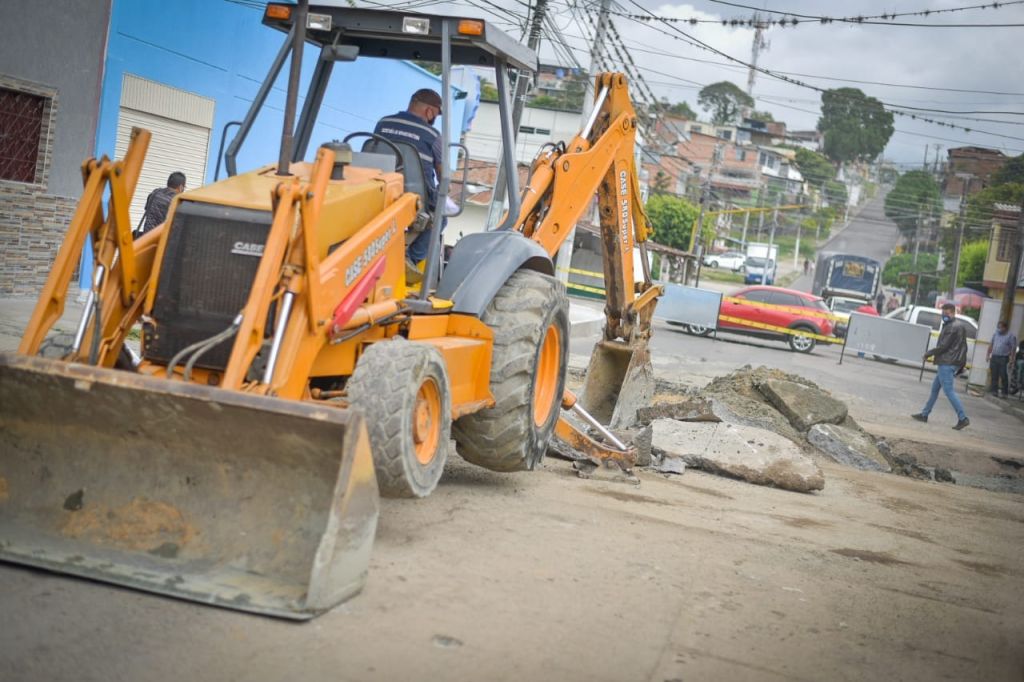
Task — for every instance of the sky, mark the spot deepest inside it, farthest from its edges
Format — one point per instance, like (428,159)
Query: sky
(954,58)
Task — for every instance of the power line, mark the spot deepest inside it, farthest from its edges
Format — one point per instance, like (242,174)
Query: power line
(869,19)
(705,46)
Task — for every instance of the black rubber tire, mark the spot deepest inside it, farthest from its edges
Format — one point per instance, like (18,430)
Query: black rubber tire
(59,346)
(713,264)
(792,339)
(698,330)
(505,437)
(383,389)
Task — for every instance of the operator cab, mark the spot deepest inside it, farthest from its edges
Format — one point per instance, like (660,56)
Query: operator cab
(342,34)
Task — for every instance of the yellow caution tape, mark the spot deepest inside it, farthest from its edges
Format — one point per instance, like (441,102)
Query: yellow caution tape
(782,330)
(577,271)
(581,287)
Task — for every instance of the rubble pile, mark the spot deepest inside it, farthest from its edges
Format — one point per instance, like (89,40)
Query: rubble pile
(761,425)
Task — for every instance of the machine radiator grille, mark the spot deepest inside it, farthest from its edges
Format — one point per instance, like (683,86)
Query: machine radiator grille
(208,268)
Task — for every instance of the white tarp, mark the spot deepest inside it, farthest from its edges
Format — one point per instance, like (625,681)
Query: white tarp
(689,305)
(887,338)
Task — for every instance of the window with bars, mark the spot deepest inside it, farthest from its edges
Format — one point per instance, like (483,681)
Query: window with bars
(1007,237)
(21,127)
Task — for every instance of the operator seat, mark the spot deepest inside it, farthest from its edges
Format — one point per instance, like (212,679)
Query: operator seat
(412,170)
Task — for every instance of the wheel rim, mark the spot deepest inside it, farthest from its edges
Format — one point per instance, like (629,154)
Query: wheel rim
(802,343)
(546,384)
(426,421)
(697,329)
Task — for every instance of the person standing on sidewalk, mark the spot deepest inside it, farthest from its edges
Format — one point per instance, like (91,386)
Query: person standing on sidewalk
(950,355)
(999,352)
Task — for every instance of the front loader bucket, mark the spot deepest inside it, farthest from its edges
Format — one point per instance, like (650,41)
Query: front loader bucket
(225,498)
(619,381)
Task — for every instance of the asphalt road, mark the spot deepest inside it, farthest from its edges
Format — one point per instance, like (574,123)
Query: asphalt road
(869,234)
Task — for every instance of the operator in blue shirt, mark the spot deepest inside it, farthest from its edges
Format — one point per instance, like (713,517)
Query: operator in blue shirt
(415,126)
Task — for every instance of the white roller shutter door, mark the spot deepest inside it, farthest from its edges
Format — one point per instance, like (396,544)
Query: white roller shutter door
(180,124)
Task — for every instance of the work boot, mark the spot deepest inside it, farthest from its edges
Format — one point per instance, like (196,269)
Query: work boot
(412,273)
(919,417)
(962,424)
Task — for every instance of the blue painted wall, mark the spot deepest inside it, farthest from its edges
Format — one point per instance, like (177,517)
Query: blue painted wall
(220,49)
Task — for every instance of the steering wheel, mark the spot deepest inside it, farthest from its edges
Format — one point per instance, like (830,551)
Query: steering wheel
(399,159)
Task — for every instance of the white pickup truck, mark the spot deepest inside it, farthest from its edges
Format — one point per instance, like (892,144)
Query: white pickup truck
(932,317)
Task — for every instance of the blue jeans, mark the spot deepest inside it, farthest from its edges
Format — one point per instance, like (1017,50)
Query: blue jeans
(417,250)
(944,380)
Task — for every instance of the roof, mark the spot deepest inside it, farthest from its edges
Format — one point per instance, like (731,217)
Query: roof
(381,33)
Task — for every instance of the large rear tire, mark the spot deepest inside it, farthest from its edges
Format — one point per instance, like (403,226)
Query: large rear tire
(402,391)
(530,319)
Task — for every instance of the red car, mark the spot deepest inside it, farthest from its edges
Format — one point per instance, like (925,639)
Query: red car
(790,319)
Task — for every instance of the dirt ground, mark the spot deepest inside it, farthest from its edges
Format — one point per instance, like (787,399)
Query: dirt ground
(544,576)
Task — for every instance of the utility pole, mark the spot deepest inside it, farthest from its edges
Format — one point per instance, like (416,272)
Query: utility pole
(497,206)
(746,223)
(796,250)
(698,234)
(961,226)
(935,161)
(1013,272)
(564,258)
(760,211)
(771,241)
(917,234)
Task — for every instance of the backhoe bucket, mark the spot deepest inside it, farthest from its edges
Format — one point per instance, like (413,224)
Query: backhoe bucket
(619,381)
(231,499)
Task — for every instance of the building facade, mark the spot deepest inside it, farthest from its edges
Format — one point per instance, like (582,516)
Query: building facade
(49,107)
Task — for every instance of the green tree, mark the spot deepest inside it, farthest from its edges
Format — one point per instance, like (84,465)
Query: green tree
(765,116)
(673,219)
(904,262)
(914,195)
(681,109)
(1012,171)
(972,262)
(724,100)
(815,168)
(662,182)
(856,127)
(835,194)
(981,205)
(488,92)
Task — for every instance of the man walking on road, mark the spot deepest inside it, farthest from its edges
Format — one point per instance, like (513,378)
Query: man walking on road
(950,355)
(999,352)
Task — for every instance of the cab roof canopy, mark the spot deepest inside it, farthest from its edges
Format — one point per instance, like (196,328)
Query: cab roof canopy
(405,35)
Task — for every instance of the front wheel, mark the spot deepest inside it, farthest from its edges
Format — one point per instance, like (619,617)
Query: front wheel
(698,330)
(530,320)
(801,343)
(713,264)
(401,389)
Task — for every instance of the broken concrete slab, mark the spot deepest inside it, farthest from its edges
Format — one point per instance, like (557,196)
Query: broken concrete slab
(803,406)
(670,464)
(745,452)
(848,446)
(690,410)
(639,438)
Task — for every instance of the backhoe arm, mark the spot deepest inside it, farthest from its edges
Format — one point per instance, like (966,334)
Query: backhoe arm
(563,180)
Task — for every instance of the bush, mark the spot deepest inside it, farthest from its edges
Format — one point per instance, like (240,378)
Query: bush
(972,262)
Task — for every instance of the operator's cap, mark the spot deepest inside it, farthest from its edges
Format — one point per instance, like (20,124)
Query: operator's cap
(428,97)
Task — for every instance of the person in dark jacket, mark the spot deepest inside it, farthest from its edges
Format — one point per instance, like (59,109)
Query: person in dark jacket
(159,200)
(950,355)
(415,125)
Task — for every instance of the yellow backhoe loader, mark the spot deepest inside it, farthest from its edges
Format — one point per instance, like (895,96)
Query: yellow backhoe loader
(287,373)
